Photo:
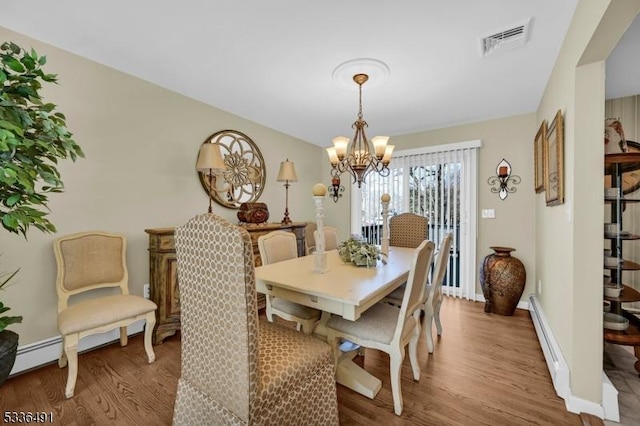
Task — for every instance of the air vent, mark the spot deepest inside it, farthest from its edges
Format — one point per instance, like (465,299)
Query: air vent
(505,39)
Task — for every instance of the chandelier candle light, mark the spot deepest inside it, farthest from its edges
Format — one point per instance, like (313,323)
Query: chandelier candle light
(357,158)
(320,256)
(210,162)
(287,174)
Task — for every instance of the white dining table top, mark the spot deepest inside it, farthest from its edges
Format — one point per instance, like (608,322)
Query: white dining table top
(345,289)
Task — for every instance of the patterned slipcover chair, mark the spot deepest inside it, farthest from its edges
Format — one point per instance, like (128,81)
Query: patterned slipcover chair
(237,369)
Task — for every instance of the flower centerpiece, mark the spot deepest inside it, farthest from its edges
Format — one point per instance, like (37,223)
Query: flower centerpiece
(358,252)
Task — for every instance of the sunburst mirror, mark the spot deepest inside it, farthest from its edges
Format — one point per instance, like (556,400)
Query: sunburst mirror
(244,176)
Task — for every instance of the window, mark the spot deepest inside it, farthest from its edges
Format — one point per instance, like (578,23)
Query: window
(439,182)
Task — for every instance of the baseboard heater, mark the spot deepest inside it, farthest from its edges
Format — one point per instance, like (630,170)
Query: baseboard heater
(556,363)
(560,375)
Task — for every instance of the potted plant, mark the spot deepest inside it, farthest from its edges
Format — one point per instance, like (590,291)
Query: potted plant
(358,252)
(33,137)
(8,338)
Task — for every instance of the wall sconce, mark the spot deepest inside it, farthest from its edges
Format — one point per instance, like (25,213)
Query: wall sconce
(335,190)
(504,179)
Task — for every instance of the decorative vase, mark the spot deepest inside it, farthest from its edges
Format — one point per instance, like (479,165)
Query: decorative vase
(8,351)
(502,278)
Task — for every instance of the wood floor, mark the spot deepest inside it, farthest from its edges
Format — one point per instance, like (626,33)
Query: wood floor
(486,370)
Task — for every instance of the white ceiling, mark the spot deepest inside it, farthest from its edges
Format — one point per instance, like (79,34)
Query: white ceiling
(271,61)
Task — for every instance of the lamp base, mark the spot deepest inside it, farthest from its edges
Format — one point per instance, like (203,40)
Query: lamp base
(286,220)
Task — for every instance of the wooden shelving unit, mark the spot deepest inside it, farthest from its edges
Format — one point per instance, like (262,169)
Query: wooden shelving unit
(616,165)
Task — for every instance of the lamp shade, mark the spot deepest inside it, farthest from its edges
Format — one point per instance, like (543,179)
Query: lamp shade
(209,158)
(287,172)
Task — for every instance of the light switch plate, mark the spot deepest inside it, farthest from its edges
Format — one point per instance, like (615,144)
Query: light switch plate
(488,214)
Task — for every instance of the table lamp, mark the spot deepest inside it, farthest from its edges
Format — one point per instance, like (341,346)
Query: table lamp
(210,161)
(287,174)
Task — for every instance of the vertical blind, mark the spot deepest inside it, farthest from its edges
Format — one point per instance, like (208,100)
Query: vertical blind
(439,183)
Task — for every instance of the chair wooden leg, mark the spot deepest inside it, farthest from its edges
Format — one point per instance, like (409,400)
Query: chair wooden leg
(437,318)
(148,334)
(427,325)
(62,361)
(268,308)
(395,361)
(123,336)
(307,326)
(71,350)
(413,350)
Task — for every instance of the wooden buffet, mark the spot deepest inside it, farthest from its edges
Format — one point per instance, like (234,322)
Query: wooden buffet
(163,277)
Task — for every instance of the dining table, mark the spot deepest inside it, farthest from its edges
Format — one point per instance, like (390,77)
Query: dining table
(343,289)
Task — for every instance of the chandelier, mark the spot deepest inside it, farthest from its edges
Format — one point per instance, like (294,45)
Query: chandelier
(358,159)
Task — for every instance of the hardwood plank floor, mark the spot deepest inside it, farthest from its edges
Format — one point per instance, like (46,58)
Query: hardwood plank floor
(486,370)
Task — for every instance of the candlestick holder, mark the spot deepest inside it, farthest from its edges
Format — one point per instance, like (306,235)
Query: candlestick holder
(504,180)
(320,256)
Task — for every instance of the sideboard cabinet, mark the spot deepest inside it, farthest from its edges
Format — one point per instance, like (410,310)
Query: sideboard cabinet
(163,267)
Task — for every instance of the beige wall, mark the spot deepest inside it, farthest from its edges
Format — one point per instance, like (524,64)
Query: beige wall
(568,237)
(141,142)
(510,138)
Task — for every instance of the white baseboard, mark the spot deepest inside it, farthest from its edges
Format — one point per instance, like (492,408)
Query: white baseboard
(560,374)
(45,351)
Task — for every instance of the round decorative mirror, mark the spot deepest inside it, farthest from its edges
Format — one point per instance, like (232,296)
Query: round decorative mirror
(244,176)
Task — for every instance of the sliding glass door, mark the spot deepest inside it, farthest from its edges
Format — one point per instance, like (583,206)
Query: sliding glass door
(439,183)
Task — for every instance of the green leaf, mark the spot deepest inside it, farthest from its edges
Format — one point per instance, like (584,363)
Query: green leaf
(13,63)
(12,200)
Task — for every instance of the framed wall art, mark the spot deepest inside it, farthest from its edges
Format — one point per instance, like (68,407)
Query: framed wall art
(538,157)
(244,176)
(554,161)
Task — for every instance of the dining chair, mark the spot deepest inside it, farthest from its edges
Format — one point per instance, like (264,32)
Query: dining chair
(277,246)
(388,328)
(89,261)
(433,293)
(408,230)
(237,369)
(310,239)
(433,300)
(330,237)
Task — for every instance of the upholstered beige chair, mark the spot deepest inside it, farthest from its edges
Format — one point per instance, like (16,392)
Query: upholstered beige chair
(90,261)
(309,237)
(237,369)
(388,328)
(408,230)
(433,302)
(330,237)
(275,247)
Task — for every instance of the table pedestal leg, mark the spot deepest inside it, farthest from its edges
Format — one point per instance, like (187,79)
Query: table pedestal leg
(354,377)
(348,373)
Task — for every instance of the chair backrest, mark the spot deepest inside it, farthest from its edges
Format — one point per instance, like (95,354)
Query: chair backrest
(408,230)
(87,261)
(440,268)
(415,287)
(330,238)
(219,315)
(277,246)
(309,237)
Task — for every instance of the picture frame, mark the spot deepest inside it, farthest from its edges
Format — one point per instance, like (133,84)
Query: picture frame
(554,161)
(538,157)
